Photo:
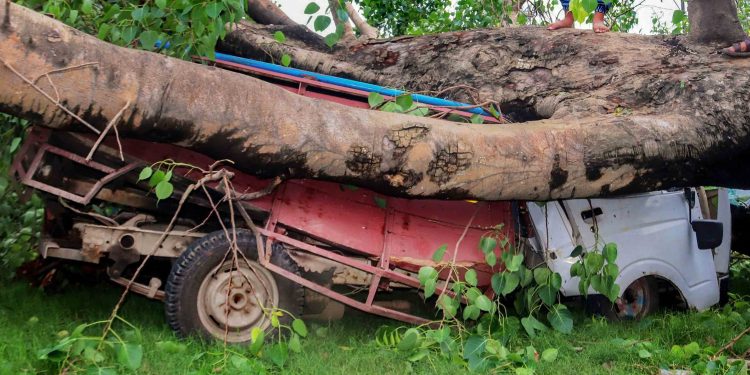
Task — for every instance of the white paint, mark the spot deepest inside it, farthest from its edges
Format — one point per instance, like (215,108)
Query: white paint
(653,235)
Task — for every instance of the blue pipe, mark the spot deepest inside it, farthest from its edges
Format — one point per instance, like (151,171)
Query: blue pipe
(352,84)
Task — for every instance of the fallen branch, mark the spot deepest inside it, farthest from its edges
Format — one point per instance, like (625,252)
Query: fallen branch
(731,343)
(106,130)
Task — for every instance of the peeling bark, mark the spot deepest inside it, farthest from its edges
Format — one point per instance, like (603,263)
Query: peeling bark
(682,118)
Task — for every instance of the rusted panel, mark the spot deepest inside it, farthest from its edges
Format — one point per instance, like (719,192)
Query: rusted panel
(333,216)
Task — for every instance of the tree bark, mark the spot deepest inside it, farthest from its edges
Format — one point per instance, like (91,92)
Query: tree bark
(714,21)
(682,117)
(267,13)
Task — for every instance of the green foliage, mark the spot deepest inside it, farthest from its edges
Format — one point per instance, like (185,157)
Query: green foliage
(21,214)
(597,270)
(179,28)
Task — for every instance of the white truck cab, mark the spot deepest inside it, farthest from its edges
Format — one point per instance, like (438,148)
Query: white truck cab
(656,242)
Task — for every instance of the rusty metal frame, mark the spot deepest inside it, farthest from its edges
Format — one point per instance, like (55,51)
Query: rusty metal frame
(303,83)
(26,176)
(382,271)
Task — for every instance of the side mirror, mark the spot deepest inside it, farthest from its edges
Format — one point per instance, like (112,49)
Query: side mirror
(710,233)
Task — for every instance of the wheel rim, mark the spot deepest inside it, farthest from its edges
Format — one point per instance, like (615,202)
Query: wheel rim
(633,303)
(231,301)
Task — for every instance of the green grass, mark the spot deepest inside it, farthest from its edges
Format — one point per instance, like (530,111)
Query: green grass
(348,347)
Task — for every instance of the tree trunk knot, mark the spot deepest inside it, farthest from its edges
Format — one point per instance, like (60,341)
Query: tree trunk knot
(362,161)
(406,136)
(447,162)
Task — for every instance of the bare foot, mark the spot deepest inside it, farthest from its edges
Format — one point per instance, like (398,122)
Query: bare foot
(599,25)
(566,23)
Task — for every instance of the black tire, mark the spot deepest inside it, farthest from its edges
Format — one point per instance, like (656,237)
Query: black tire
(199,267)
(640,299)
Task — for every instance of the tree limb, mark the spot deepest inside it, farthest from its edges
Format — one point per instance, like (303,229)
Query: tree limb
(364,28)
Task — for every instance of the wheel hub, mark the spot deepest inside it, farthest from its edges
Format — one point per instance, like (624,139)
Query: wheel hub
(233,300)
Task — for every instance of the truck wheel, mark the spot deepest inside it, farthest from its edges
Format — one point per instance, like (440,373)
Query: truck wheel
(199,299)
(639,299)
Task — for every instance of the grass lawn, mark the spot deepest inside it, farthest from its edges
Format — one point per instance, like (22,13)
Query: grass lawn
(30,320)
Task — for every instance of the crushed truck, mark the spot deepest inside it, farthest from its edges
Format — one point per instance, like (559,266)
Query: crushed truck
(325,245)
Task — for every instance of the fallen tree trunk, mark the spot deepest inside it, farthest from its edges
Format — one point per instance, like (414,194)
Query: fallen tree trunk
(688,123)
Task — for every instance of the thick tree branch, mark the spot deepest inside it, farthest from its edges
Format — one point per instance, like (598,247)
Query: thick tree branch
(333,6)
(266,12)
(364,28)
(678,137)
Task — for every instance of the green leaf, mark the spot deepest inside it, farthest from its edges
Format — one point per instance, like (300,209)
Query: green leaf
(589,5)
(583,286)
(526,276)
(156,178)
(86,7)
(555,281)
(145,173)
(164,190)
(298,325)
(418,356)
(477,119)
(448,305)
(275,321)
(381,202)
(610,252)
(515,263)
(409,341)
(549,355)
(593,262)
(548,295)
(597,282)
(471,277)
(375,99)
(14,144)
(643,353)
(321,23)
(531,325)
(278,354)
(471,312)
(541,275)
(612,270)
(491,259)
(577,251)
(279,36)
(286,60)
(161,4)
(130,355)
(138,13)
(511,283)
(148,39)
(331,40)
(576,269)
(487,244)
(429,287)
(439,253)
(497,281)
(427,273)
(404,101)
(257,336)
(483,303)
(294,344)
(613,292)
(213,9)
(312,8)
(560,318)
(678,17)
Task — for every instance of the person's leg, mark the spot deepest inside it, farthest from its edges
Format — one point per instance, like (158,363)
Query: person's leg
(741,49)
(601,10)
(567,21)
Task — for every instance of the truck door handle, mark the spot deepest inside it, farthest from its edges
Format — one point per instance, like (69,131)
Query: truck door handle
(588,214)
